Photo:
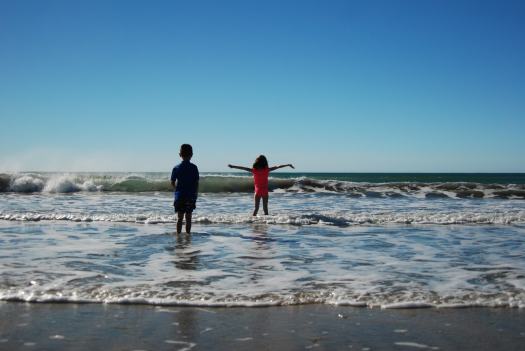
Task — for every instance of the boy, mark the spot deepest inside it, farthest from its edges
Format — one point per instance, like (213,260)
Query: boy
(185,180)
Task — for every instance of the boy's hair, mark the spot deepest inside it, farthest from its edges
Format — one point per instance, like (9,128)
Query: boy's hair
(186,150)
(260,162)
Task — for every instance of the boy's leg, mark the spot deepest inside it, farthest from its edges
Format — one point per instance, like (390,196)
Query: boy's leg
(257,199)
(180,215)
(188,222)
(265,205)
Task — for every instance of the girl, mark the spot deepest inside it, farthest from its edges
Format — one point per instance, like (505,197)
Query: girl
(260,171)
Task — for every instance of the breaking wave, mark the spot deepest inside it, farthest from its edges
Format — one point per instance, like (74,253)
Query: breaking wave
(71,183)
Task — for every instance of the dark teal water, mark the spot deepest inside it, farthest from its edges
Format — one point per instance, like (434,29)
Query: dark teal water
(483,178)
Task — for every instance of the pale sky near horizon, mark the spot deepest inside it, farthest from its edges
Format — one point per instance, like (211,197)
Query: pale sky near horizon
(342,86)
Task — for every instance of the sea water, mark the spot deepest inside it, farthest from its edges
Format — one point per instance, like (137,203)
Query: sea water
(378,240)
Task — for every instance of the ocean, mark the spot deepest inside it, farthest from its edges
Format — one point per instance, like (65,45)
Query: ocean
(361,239)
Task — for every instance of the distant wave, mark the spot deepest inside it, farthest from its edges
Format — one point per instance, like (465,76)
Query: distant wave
(71,183)
(324,218)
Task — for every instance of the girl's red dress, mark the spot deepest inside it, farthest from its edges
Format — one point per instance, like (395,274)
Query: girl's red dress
(260,180)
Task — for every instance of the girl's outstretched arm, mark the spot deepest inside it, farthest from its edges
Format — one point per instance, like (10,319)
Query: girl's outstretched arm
(241,168)
(281,166)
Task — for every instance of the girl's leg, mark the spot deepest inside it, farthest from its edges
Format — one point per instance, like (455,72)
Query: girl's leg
(180,215)
(257,199)
(265,204)
(188,222)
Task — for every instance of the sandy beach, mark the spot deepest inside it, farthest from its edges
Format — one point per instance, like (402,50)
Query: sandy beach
(135,327)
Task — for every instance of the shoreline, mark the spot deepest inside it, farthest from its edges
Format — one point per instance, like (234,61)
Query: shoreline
(61,326)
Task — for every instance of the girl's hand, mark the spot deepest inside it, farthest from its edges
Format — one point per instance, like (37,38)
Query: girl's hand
(230,166)
(291,166)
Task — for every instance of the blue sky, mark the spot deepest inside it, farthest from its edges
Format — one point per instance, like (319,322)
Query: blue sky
(357,86)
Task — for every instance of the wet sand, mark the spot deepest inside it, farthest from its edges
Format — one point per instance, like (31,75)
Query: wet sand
(91,327)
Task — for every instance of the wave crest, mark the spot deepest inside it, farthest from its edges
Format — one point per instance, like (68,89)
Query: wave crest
(70,183)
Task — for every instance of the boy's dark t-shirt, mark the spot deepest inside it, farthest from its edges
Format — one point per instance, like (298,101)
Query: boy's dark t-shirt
(187,176)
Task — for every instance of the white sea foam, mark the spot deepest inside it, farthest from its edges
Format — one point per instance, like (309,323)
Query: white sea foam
(240,301)
(415,345)
(408,304)
(326,218)
(185,345)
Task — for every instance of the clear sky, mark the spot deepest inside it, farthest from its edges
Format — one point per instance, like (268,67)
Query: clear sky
(357,86)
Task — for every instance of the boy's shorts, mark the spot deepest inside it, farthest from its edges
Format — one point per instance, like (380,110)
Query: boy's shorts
(184,205)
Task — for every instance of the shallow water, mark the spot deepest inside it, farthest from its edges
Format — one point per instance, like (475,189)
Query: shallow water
(313,248)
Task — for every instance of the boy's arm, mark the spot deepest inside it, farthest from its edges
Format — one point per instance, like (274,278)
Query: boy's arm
(197,182)
(241,168)
(281,166)
(173,177)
